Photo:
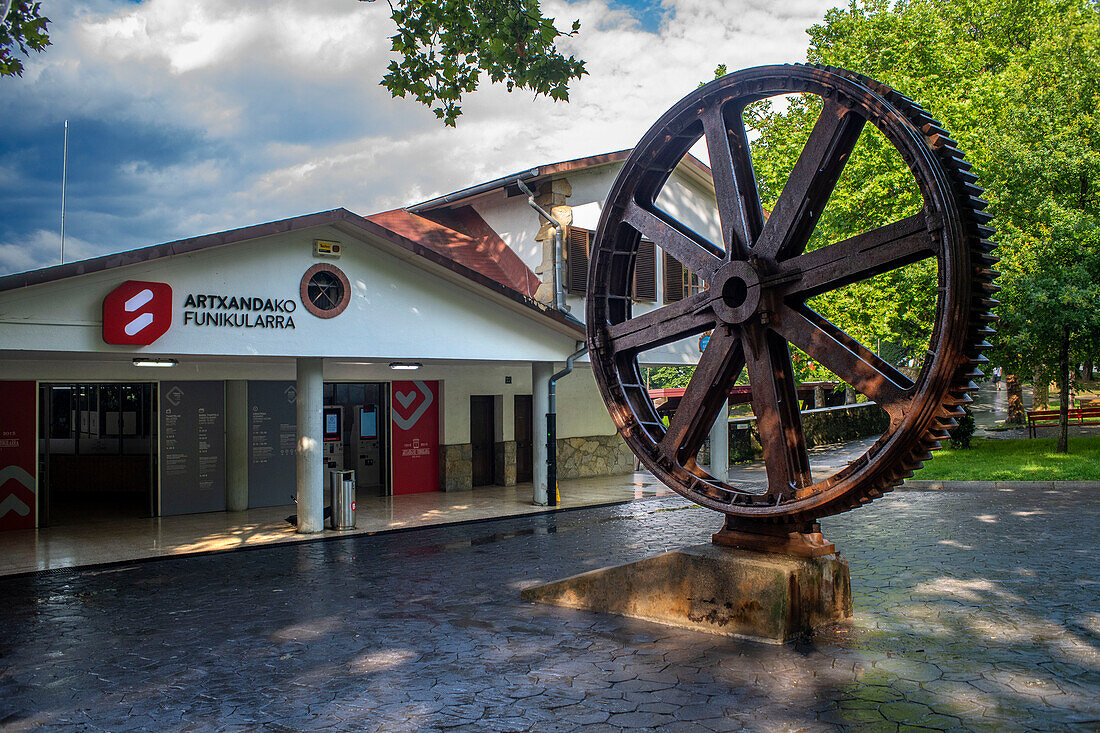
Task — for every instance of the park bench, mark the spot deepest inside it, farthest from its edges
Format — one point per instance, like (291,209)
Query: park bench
(1077,416)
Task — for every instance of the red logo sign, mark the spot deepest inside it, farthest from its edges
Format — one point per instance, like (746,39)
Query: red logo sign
(137,313)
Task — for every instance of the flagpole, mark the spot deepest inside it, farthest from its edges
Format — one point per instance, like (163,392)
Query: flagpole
(64,173)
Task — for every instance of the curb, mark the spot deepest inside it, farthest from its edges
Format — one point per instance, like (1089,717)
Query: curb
(996,485)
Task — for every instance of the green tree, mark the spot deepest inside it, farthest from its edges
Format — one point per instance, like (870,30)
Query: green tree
(446,46)
(1016,83)
(23,31)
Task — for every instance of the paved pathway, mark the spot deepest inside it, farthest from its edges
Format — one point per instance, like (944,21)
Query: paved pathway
(974,610)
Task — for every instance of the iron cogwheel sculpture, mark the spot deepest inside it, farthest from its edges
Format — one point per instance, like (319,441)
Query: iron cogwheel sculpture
(759,278)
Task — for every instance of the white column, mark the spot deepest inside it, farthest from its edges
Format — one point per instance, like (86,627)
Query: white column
(311,469)
(720,445)
(541,371)
(236,445)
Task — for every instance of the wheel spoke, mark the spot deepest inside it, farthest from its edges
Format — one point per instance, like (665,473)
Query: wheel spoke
(734,181)
(663,325)
(699,256)
(847,358)
(775,405)
(812,180)
(860,257)
(706,395)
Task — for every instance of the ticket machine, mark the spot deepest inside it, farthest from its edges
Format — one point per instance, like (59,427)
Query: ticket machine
(333,430)
(369,448)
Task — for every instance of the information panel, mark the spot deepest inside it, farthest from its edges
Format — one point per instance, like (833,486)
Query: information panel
(18,426)
(272,441)
(414,412)
(192,447)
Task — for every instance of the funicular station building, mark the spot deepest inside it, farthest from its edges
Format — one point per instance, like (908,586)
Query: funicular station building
(229,371)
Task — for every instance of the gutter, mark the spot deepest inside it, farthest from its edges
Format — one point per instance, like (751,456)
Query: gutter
(559,284)
(473,191)
(552,424)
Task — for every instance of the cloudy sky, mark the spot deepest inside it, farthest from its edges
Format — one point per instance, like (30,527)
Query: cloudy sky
(190,117)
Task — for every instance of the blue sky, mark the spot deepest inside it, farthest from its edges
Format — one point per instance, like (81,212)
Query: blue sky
(192,117)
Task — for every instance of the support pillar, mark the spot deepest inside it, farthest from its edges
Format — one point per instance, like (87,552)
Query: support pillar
(236,445)
(311,469)
(720,445)
(541,372)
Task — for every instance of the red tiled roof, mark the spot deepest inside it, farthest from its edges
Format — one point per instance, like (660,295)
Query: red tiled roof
(463,236)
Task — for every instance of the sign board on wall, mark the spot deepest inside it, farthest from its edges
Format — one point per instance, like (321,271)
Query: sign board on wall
(137,313)
(414,412)
(272,441)
(192,447)
(18,430)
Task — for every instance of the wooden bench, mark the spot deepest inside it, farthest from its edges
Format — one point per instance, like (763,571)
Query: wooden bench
(1077,416)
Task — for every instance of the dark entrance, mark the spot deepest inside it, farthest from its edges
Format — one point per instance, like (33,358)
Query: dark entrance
(364,420)
(524,425)
(97,452)
(482,437)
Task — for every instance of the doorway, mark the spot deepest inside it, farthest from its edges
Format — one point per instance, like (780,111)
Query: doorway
(97,452)
(362,422)
(482,438)
(524,427)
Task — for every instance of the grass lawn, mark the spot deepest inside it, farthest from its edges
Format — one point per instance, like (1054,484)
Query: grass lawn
(1016,460)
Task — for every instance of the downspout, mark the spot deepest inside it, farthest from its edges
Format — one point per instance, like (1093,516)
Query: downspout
(552,425)
(559,284)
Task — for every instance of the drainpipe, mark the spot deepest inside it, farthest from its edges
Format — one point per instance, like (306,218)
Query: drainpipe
(559,284)
(552,425)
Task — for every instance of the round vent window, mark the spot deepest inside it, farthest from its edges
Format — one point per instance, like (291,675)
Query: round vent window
(325,291)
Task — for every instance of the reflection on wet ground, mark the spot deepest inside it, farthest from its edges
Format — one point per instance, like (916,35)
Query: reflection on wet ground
(974,611)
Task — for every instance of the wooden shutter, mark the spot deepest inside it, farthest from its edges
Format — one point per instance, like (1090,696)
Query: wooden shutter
(645,272)
(674,279)
(576,260)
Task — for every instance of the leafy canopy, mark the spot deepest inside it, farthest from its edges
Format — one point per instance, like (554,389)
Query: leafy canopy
(21,32)
(1016,82)
(445,47)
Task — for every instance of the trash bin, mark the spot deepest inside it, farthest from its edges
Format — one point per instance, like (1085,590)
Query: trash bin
(342,499)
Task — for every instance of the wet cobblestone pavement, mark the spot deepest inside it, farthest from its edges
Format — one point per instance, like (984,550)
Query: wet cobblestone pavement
(973,611)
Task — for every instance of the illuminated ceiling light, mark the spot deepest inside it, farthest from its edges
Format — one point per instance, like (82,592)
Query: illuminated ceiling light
(144,362)
(404,365)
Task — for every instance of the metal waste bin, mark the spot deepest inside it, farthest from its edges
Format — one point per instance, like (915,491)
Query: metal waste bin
(341,486)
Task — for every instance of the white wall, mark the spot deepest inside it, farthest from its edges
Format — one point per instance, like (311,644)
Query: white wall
(398,310)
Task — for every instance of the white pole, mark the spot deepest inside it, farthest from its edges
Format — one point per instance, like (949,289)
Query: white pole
(64,173)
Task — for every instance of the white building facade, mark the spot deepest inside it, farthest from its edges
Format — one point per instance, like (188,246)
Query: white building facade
(234,370)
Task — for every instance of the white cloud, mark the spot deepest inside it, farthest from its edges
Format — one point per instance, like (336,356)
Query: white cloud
(283,102)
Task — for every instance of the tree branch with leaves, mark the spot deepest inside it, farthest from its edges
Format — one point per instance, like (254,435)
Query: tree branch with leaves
(446,47)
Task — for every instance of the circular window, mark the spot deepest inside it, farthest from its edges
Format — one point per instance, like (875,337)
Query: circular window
(325,291)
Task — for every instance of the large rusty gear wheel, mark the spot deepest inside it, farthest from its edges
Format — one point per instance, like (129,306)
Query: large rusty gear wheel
(759,279)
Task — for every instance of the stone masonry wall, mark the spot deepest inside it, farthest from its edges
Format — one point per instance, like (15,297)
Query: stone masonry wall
(504,458)
(826,425)
(456,467)
(594,455)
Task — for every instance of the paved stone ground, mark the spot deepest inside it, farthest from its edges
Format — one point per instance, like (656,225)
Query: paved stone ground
(974,610)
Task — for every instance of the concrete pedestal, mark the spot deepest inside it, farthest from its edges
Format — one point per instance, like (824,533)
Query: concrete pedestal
(734,592)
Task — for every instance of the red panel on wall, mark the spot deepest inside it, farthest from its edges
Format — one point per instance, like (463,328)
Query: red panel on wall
(18,432)
(137,313)
(414,412)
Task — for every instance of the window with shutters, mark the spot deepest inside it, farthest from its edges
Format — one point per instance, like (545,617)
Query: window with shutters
(645,272)
(575,266)
(680,282)
(579,246)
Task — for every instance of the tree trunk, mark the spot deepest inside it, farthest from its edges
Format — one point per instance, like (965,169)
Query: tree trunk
(1063,394)
(1015,399)
(1040,391)
(1088,370)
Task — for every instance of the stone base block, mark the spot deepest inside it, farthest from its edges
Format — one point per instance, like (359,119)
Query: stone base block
(733,592)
